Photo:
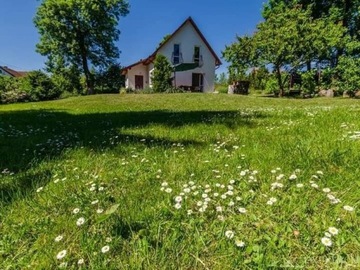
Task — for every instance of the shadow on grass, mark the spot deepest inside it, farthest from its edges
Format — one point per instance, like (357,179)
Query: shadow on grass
(28,137)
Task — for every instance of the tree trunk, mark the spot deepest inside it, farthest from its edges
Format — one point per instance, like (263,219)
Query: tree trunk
(308,65)
(88,75)
(281,86)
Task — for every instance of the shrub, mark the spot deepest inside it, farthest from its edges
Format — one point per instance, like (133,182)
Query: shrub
(349,75)
(308,82)
(271,86)
(13,96)
(161,78)
(39,86)
(110,80)
(9,90)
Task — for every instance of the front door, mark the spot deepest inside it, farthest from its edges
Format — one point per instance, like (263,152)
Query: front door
(198,81)
(139,82)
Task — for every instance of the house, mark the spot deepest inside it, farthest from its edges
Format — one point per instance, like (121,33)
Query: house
(192,57)
(5,71)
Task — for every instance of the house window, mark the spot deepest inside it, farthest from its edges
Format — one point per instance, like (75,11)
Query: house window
(176,54)
(196,54)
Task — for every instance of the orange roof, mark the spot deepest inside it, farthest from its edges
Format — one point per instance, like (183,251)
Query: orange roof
(14,73)
(191,21)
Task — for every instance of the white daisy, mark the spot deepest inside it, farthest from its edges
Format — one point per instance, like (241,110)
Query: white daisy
(178,199)
(61,254)
(80,221)
(326,241)
(348,208)
(76,210)
(229,234)
(63,265)
(314,185)
(242,210)
(105,249)
(108,239)
(80,261)
(328,235)
(333,230)
(239,243)
(58,238)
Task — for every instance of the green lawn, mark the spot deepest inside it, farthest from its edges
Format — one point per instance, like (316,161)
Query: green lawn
(180,181)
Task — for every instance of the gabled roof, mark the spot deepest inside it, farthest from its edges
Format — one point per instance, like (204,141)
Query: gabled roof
(153,55)
(14,73)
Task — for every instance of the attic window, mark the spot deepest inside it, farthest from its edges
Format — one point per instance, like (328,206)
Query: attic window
(176,54)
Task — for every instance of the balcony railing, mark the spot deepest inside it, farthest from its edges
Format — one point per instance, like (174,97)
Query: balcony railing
(198,59)
(176,58)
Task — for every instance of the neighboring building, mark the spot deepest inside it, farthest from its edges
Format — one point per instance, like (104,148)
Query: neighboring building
(5,71)
(192,57)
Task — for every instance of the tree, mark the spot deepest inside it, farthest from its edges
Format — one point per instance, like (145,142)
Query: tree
(222,80)
(345,12)
(82,32)
(110,80)
(161,78)
(165,38)
(241,56)
(289,38)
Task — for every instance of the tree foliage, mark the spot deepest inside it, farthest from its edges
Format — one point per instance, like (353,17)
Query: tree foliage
(344,11)
(289,39)
(39,86)
(241,55)
(348,69)
(109,80)
(80,32)
(161,78)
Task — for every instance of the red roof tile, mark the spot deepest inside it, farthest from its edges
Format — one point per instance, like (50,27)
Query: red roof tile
(14,73)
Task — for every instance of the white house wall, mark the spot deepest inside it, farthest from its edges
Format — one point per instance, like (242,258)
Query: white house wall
(188,38)
(140,70)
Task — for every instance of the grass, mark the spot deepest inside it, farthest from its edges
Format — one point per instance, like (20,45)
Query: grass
(180,181)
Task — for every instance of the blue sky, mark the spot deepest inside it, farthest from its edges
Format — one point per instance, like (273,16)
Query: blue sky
(141,30)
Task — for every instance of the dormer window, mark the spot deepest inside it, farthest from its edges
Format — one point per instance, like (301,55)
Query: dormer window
(176,55)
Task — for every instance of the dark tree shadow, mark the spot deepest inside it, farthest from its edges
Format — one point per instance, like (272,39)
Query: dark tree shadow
(28,137)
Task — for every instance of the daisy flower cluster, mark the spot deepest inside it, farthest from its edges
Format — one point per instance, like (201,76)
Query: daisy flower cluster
(221,201)
(82,217)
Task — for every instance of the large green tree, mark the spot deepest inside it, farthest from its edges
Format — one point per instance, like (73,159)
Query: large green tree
(289,38)
(345,12)
(81,32)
